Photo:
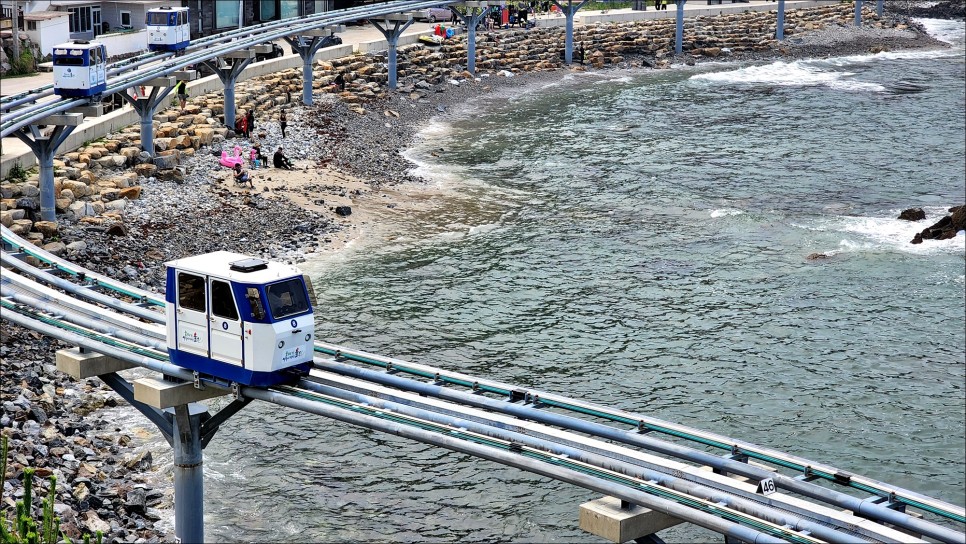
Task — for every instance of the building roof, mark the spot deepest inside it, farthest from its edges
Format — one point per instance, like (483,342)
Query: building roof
(44,15)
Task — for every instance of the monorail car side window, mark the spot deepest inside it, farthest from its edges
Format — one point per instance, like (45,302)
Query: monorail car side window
(191,292)
(222,301)
(255,301)
(287,298)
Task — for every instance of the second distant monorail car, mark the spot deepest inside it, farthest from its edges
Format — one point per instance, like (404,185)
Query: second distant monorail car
(168,29)
(80,68)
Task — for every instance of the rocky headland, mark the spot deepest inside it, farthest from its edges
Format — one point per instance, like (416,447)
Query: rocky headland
(123,213)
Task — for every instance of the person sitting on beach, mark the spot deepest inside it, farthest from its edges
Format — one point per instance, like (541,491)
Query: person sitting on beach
(258,157)
(242,177)
(281,161)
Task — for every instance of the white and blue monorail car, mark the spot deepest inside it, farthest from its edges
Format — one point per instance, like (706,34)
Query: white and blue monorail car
(80,68)
(238,318)
(168,28)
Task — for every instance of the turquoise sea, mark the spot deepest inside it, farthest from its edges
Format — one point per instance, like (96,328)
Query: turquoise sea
(640,239)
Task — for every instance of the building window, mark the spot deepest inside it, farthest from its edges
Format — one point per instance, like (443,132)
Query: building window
(126,19)
(226,13)
(290,8)
(80,19)
(31,25)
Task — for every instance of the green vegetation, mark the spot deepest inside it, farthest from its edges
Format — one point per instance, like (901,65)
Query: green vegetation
(24,65)
(24,529)
(17,173)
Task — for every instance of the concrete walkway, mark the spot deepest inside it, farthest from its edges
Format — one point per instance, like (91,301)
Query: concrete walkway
(355,39)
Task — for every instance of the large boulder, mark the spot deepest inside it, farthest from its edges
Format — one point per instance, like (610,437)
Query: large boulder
(945,228)
(912,214)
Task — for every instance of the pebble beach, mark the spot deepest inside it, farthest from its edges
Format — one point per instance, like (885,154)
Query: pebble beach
(344,161)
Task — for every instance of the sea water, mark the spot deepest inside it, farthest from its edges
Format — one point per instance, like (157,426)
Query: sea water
(641,239)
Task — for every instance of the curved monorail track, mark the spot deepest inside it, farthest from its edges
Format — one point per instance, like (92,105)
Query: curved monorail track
(500,422)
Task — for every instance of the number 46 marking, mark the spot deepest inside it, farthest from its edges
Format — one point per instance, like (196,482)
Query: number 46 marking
(767,486)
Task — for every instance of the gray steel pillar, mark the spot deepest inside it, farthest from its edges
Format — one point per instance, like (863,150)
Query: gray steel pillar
(45,148)
(307,47)
(878,7)
(679,28)
(188,429)
(569,13)
(858,12)
(780,30)
(146,108)
(471,19)
(392,36)
(189,481)
(228,74)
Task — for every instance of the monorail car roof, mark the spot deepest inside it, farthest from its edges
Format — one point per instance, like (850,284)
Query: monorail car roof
(247,269)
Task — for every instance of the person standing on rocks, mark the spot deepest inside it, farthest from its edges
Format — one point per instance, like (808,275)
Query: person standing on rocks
(181,89)
(283,122)
(250,118)
(241,126)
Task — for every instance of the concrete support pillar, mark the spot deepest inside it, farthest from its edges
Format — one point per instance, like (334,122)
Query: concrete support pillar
(858,12)
(228,69)
(878,7)
(147,106)
(45,147)
(307,47)
(189,482)
(475,11)
(569,11)
(780,26)
(679,28)
(392,36)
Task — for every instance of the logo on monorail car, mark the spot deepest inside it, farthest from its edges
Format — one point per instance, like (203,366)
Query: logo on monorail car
(190,337)
(291,354)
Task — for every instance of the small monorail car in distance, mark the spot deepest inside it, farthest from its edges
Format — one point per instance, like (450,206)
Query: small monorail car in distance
(240,319)
(80,68)
(168,28)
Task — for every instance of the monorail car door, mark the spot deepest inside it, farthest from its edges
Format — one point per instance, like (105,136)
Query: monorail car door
(225,323)
(192,311)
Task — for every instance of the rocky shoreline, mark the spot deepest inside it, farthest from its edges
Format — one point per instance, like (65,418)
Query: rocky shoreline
(53,423)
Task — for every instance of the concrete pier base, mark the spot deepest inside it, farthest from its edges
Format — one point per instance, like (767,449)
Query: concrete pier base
(161,394)
(605,518)
(81,366)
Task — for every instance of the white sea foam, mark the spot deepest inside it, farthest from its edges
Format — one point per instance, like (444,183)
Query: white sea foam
(952,32)
(876,233)
(794,74)
(725,212)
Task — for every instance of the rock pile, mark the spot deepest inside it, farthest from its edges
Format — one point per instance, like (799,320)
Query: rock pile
(945,228)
